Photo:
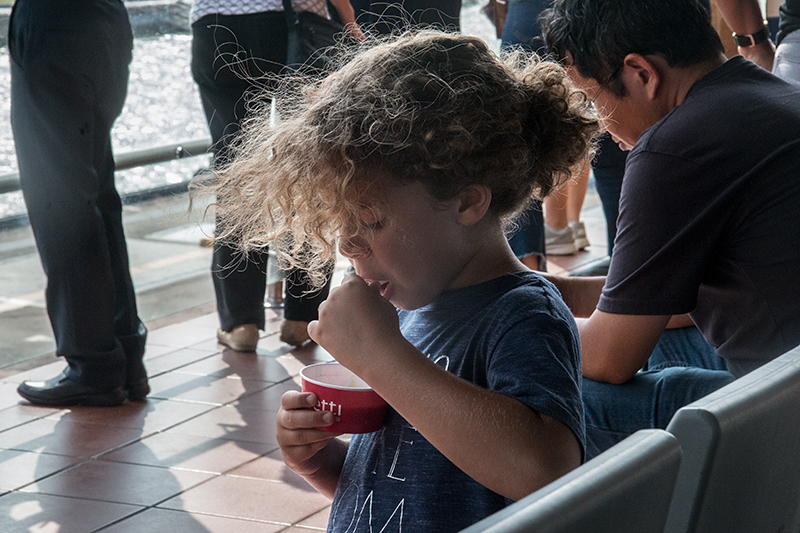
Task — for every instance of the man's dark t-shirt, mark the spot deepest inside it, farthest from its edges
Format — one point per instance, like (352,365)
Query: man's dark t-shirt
(710,216)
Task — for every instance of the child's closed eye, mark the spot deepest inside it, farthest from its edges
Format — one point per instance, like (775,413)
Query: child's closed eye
(372,220)
(374,226)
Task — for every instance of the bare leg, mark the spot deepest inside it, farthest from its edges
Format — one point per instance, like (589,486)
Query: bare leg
(564,232)
(577,193)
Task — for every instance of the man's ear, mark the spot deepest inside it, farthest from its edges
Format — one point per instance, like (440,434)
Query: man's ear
(641,73)
(473,204)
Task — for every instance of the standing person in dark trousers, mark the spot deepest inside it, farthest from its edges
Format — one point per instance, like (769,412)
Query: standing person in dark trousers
(383,17)
(522,30)
(237,48)
(609,168)
(69,79)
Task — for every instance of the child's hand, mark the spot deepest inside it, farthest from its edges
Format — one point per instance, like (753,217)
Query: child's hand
(297,437)
(356,324)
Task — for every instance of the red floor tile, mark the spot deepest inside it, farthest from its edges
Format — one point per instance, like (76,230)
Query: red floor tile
(228,422)
(176,358)
(208,321)
(250,498)
(21,413)
(41,513)
(154,350)
(271,468)
(66,438)
(8,393)
(273,321)
(202,389)
(119,482)
(268,399)
(165,521)
(189,452)
(315,521)
(239,365)
(208,344)
(180,335)
(19,468)
(39,373)
(149,417)
(308,354)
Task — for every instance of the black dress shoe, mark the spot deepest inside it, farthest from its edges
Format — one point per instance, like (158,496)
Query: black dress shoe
(135,372)
(61,391)
(138,389)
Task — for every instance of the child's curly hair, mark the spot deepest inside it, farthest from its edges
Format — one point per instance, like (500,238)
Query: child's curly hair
(431,107)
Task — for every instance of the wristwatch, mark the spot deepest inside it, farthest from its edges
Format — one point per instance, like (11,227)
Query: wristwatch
(752,39)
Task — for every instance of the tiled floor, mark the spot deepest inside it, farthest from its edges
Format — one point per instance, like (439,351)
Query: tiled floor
(199,456)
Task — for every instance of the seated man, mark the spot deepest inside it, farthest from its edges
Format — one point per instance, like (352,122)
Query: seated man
(709,220)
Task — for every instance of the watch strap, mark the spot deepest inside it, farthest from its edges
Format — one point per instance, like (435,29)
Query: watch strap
(752,39)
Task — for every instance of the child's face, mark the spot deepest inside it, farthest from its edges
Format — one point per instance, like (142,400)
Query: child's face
(412,246)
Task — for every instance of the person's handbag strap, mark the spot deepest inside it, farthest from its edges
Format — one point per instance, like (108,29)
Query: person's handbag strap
(291,15)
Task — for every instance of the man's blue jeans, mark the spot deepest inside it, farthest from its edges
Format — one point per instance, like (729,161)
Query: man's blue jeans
(522,25)
(682,369)
(787,58)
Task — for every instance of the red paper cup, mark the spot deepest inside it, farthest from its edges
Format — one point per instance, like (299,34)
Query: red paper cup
(355,406)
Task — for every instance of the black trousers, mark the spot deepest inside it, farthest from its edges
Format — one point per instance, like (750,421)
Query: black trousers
(383,17)
(609,169)
(233,59)
(69,77)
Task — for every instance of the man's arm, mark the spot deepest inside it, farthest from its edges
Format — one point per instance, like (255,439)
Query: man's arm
(580,293)
(744,17)
(615,347)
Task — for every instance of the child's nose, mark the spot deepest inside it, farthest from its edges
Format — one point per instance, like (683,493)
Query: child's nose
(354,247)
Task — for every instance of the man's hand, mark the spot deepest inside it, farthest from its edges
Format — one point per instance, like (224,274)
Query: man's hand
(762,54)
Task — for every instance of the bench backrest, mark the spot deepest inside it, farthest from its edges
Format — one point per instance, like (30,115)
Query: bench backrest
(741,455)
(626,489)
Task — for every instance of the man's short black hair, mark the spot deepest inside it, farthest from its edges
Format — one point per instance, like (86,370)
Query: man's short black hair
(600,33)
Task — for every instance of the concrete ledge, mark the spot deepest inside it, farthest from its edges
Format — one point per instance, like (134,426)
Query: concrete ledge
(157,17)
(148,18)
(5,12)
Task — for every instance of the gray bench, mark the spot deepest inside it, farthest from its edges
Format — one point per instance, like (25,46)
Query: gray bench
(729,462)
(741,455)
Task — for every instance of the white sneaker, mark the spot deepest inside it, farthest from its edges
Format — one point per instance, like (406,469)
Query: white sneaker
(559,241)
(579,235)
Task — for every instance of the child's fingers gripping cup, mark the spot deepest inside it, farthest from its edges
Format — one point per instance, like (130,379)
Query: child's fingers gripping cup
(355,406)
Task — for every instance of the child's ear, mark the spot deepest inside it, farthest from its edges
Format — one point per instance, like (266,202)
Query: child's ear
(473,204)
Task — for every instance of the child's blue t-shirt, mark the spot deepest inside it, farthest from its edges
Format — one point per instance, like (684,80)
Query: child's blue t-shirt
(513,335)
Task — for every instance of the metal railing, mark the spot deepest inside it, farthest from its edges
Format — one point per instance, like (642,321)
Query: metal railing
(135,158)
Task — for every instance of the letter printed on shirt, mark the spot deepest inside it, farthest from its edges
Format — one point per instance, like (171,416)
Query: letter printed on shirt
(393,524)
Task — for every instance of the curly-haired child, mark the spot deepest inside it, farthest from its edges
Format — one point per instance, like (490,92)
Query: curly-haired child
(413,155)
